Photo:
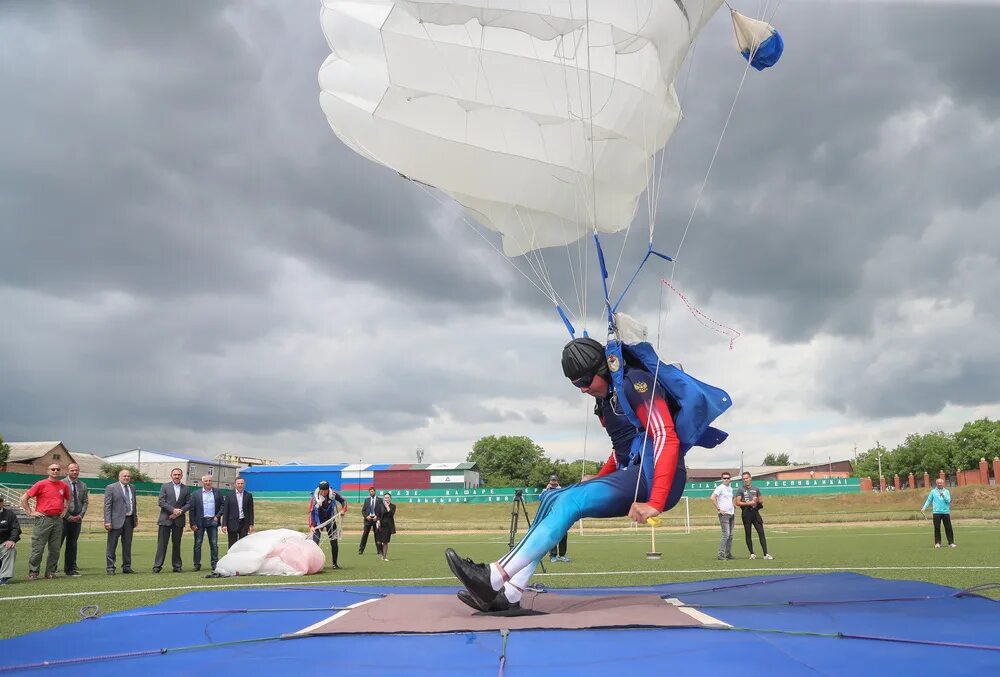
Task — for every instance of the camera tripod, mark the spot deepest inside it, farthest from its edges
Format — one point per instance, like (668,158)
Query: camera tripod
(517,509)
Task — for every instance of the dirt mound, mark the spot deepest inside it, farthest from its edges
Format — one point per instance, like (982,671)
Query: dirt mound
(979,496)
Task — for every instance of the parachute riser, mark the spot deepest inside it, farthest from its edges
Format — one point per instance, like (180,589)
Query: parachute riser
(610,308)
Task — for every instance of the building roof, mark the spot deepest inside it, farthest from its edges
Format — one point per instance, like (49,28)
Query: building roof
(90,464)
(135,455)
(29,451)
(704,474)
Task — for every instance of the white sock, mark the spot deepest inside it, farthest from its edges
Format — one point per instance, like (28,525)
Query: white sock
(511,593)
(496,580)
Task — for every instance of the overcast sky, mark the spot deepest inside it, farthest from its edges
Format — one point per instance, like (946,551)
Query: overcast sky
(192,262)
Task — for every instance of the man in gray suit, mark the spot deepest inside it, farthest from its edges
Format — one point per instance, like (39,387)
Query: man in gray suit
(79,501)
(120,518)
(206,511)
(174,501)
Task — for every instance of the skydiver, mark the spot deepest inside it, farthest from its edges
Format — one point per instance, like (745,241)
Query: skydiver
(620,487)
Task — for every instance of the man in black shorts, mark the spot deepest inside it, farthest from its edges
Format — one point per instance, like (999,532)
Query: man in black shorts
(748,499)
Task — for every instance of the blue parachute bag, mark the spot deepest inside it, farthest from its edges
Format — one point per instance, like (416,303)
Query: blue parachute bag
(768,53)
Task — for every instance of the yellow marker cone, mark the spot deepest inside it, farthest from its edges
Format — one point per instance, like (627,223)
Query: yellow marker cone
(653,522)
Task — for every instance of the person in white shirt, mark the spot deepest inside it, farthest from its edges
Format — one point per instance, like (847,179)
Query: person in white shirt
(722,499)
(237,512)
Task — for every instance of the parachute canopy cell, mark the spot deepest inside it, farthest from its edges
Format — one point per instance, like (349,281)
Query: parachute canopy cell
(541,117)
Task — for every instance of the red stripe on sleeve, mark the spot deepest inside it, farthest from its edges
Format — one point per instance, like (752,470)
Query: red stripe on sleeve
(666,448)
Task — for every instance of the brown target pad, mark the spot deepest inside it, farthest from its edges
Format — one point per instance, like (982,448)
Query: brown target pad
(437,613)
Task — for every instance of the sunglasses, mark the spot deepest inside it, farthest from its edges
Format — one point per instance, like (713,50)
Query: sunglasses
(583,381)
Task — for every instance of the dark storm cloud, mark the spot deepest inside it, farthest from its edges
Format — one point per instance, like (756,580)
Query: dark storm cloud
(170,159)
(153,162)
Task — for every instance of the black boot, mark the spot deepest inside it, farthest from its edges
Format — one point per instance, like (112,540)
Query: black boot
(475,577)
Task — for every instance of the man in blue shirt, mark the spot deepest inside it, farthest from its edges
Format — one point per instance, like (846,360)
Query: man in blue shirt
(940,499)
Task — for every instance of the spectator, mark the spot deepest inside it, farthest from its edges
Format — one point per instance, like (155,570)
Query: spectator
(121,517)
(722,499)
(237,513)
(385,525)
(174,502)
(940,499)
(79,501)
(206,512)
(748,498)
(368,514)
(51,503)
(558,552)
(10,534)
(322,507)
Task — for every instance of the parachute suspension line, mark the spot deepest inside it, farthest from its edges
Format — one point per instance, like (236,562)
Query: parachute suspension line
(708,172)
(649,405)
(593,156)
(540,261)
(577,285)
(533,256)
(477,231)
(549,293)
(663,154)
(654,184)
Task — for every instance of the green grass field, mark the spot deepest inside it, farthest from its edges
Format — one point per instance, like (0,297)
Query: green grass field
(601,557)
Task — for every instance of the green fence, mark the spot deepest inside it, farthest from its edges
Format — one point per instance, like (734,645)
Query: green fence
(834,485)
(22,481)
(499,495)
(850,485)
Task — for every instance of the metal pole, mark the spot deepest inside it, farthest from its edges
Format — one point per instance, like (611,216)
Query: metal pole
(741,463)
(878,448)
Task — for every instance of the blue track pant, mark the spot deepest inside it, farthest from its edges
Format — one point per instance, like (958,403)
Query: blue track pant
(608,496)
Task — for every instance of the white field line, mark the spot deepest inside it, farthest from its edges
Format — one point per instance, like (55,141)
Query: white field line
(320,624)
(383,581)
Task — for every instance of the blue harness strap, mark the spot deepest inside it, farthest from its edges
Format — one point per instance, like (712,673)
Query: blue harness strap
(696,403)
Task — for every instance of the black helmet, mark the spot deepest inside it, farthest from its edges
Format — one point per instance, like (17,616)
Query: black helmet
(583,358)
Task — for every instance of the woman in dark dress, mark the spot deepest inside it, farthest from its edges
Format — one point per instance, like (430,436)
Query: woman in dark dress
(385,524)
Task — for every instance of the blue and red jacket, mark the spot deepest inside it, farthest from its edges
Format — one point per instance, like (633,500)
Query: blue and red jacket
(648,401)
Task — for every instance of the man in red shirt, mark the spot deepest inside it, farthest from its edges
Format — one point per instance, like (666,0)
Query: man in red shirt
(51,504)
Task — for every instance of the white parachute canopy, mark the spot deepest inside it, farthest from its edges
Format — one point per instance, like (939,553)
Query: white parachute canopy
(274,552)
(541,117)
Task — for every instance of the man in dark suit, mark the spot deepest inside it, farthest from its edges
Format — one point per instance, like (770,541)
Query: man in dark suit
(79,501)
(174,502)
(206,513)
(237,513)
(370,517)
(120,519)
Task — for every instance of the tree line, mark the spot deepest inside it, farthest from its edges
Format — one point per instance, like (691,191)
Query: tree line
(934,451)
(516,461)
